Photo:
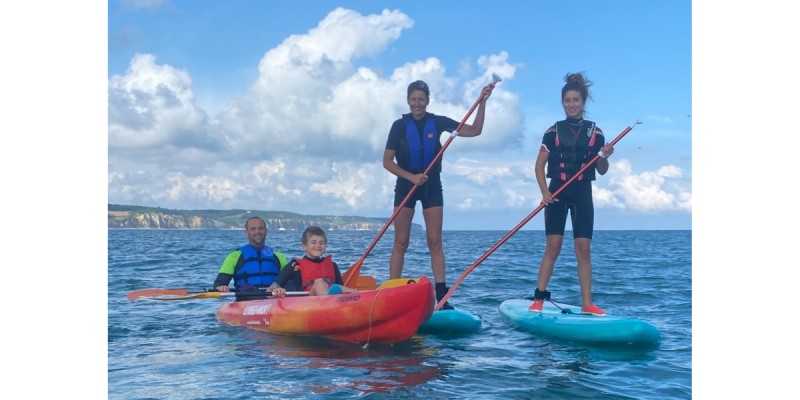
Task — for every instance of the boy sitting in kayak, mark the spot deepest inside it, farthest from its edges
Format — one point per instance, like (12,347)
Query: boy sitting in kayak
(320,276)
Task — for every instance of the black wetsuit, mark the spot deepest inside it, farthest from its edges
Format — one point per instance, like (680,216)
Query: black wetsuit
(570,144)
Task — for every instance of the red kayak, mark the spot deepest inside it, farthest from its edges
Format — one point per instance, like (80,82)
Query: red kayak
(381,316)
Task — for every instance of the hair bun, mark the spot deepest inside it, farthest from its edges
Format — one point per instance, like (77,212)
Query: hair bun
(577,78)
(577,81)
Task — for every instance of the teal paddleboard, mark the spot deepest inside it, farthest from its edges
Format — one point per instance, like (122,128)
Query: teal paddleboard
(552,322)
(451,322)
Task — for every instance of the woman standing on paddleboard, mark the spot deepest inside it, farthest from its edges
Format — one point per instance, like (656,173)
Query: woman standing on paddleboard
(414,142)
(566,147)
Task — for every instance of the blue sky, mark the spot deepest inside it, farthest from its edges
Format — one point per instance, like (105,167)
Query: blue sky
(287,105)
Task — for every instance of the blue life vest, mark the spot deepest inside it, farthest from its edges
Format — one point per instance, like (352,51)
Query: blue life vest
(256,268)
(572,151)
(421,147)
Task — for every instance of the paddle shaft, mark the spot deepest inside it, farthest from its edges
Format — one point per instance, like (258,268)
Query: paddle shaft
(216,295)
(351,274)
(528,218)
(176,292)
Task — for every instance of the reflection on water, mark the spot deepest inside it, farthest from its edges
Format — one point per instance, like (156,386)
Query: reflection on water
(372,369)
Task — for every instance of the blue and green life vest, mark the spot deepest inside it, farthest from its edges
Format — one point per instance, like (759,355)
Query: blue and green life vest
(256,268)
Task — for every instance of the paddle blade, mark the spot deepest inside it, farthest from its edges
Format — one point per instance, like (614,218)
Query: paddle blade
(350,277)
(366,282)
(156,292)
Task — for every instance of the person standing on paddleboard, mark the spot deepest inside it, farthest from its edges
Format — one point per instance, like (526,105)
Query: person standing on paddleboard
(412,145)
(566,147)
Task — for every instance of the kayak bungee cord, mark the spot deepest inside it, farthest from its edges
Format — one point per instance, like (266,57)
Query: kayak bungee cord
(528,218)
(371,317)
(351,275)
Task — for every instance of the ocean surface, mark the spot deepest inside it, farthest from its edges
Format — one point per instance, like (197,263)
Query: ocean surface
(178,350)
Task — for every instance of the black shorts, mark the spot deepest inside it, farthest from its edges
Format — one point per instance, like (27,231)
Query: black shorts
(429,193)
(575,199)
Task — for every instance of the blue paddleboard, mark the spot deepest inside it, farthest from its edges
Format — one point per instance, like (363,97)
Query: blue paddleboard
(551,322)
(451,322)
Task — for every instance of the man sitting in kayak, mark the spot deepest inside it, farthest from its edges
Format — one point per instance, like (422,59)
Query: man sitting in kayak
(254,266)
(319,275)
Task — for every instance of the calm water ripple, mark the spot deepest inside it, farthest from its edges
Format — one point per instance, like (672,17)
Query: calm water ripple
(178,350)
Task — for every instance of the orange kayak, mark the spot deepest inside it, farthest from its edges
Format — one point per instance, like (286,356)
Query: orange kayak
(381,316)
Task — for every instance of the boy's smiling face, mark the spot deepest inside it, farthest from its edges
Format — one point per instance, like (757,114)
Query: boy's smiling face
(315,247)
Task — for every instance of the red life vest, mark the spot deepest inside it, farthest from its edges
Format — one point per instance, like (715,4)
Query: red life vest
(311,270)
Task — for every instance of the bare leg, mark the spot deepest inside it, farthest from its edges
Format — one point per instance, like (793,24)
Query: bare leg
(320,288)
(583,254)
(433,230)
(402,232)
(551,251)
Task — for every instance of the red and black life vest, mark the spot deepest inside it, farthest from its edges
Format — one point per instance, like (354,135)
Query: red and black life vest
(574,147)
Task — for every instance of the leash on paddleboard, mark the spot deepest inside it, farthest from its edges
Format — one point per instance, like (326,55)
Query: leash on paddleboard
(563,310)
(522,223)
(351,275)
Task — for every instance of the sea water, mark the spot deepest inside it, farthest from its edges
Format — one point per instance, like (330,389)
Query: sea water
(178,350)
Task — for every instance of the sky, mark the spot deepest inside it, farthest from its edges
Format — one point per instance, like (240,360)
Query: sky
(286,106)
(65,155)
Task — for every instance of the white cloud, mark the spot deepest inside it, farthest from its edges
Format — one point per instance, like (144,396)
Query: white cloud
(348,183)
(203,187)
(151,106)
(311,98)
(268,173)
(478,172)
(490,184)
(648,191)
(604,197)
(308,135)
